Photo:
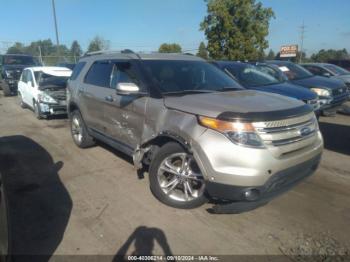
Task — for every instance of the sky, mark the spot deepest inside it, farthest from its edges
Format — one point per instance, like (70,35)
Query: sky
(142,25)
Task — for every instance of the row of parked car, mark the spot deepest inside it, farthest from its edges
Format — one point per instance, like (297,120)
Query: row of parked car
(233,131)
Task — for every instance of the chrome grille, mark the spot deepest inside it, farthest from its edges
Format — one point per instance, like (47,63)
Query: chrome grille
(340,91)
(288,131)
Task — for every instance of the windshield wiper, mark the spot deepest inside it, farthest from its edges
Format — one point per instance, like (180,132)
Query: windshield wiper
(188,92)
(225,89)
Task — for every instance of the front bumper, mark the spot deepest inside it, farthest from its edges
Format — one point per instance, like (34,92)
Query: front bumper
(334,102)
(53,109)
(279,183)
(275,186)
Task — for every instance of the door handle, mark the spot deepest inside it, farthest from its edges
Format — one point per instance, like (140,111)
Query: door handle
(109,98)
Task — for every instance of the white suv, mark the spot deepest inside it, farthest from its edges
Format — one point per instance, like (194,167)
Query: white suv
(44,90)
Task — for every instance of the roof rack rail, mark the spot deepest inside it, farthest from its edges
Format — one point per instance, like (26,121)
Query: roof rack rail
(101,52)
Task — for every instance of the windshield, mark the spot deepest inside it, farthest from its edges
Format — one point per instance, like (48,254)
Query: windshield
(294,71)
(180,76)
(49,81)
(250,76)
(19,60)
(337,70)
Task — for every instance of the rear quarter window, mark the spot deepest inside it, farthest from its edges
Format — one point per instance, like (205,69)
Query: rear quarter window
(77,70)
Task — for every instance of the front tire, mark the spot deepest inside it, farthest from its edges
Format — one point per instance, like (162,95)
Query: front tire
(79,131)
(37,111)
(175,178)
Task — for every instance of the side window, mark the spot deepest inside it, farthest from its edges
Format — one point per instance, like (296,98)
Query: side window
(315,70)
(100,74)
(24,76)
(123,72)
(30,77)
(77,70)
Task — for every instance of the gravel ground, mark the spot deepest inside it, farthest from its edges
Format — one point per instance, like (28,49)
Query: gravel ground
(69,201)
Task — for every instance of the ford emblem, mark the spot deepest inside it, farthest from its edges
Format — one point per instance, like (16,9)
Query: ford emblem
(305,131)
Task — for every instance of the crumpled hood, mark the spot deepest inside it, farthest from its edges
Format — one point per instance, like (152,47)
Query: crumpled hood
(319,81)
(245,101)
(287,89)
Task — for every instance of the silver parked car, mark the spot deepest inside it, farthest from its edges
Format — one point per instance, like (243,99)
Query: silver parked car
(196,130)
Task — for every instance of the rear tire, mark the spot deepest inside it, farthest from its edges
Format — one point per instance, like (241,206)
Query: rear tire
(79,131)
(175,178)
(6,89)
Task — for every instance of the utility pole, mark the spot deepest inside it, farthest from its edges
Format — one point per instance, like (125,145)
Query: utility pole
(40,55)
(302,36)
(56,28)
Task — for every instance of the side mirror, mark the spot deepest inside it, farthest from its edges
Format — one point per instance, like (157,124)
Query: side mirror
(327,74)
(30,83)
(128,89)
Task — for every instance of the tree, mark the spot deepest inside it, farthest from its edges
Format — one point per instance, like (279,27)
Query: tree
(170,48)
(97,44)
(325,55)
(17,48)
(236,29)
(271,55)
(75,49)
(202,51)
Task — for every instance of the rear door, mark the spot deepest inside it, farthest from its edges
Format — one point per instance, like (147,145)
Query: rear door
(96,89)
(3,222)
(125,115)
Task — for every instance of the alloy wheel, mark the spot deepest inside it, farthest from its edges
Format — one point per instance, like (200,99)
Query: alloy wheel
(180,178)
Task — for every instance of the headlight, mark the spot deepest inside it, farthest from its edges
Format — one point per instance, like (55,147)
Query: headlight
(238,132)
(321,91)
(45,98)
(9,74)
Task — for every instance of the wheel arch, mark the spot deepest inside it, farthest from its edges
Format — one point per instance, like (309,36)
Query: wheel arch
(145,152)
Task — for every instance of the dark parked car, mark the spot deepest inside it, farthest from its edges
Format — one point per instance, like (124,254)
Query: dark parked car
(332,93)
(4,243)
(344,63)
(67,65)
(251,77)
(329,70)
(11,67)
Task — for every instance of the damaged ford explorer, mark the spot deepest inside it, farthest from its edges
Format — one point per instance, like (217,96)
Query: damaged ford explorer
(196,131)
(44,90)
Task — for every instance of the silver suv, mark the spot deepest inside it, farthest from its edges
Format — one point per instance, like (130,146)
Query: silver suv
(197,131)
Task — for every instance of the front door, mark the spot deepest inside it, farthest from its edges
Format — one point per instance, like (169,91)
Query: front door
(125,115)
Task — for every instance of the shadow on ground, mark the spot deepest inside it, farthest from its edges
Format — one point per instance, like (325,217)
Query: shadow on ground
(336,137)
(39,204)
(144,239)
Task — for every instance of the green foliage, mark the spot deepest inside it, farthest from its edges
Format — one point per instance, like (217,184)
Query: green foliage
(50,53)
(325,55)
(17,48)
(97,44)
(75,49)
(271,55)
(170,48)
(236,29)
(202,51)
